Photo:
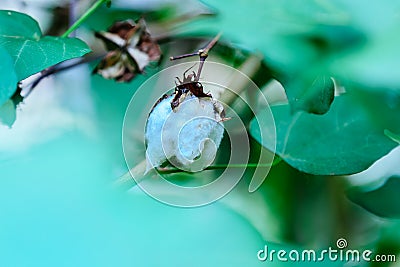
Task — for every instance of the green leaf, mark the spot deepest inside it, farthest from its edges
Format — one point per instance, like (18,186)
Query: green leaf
(275,40)
(21,36)
(336,37)
(383,201)
(393,136)
(342,141)
(8,77)
(8,113)
(377,63)
(289,38)
(315,97)
(382,104)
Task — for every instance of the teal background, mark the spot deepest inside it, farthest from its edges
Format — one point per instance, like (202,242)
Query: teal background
(59,207)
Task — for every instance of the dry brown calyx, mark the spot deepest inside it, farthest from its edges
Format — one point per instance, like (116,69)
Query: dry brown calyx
(131,49)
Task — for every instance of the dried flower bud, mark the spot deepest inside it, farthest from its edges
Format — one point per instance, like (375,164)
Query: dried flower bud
(131,49)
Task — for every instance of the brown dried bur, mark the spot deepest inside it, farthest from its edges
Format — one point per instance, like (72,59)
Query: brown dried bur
(190,84)
(131,49)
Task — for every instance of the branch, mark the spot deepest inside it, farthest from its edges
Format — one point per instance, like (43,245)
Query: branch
(85,16)
(202,53)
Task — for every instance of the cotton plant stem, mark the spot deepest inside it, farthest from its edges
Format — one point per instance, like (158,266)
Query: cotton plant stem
(84,17)
(138,173)
(132,177)
(210,45)
(202,53)
(249,67)
(66,65)
(223,166)
(238,84)
(184,56)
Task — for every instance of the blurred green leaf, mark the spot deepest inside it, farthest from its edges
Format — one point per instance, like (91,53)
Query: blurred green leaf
(296,43)
(389,242)
(314,97)
(161,16)
(21,36)
(243,23)
(382,104)
(342,141)
(393,136)
(334,38)
(383,201)
(8,113)
(290,38)
(8,77)
(375,64)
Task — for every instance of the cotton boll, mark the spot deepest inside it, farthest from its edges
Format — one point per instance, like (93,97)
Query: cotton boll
(154,152)
(188,137)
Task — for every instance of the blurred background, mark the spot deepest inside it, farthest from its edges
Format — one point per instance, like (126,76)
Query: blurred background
(61,151)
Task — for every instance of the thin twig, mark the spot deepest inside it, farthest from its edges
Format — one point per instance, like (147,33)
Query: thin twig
(59,68)
(170,170)
(184,56)
(202,53)
(210,45)
(138,173)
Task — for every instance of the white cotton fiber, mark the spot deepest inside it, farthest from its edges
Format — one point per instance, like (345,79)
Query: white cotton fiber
(188,137)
